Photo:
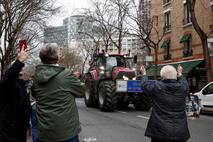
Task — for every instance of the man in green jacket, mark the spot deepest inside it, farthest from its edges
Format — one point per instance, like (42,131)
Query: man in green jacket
(55,90)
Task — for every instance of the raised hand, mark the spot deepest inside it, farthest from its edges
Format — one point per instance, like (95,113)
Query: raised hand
(179,70)
(143,70)
(22,55)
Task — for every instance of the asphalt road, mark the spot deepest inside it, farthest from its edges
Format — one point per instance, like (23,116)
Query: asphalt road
(129,125)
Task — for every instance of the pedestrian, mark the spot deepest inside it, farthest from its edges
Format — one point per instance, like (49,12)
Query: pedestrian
(55,89)
(168,120)
(195,105)
(15,108)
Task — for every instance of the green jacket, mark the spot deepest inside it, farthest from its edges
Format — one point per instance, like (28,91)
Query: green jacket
(55,90)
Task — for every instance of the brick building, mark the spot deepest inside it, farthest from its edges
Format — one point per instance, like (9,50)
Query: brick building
(180,43)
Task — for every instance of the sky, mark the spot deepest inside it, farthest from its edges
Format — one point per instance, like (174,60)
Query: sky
(68,7)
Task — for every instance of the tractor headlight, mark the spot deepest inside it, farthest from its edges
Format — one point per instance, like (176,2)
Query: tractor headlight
(101,68)
(102,72)
(125,78)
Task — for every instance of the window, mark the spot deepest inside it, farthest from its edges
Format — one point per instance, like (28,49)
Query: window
(187,15)
(166,46)
(187,41)
(208,90)
(211,2)
(167,20)
(210,46)
(114,61)
(166,1)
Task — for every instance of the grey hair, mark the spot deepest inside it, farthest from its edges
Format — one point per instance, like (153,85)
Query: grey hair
(168,72)
(49,53)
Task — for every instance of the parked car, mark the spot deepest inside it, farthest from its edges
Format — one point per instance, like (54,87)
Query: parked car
(206,97)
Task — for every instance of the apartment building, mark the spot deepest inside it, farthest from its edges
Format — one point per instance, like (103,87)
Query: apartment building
(58,34)
(64,35)
(180,43)
(76,25)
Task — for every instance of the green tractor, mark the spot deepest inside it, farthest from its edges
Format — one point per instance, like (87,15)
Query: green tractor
(111,83)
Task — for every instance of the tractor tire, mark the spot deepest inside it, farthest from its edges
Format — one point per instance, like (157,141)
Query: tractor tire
(142,102)
(107,97)
(89,98)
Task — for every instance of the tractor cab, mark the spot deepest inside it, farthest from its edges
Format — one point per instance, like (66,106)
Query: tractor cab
(113,66)
(111,83)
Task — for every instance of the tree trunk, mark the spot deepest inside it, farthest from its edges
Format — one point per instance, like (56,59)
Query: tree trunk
(208,64)
(156,61)
(203,36)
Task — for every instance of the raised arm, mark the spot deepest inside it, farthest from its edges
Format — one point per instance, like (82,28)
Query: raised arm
(146,85)
(76,86)
(12,73)
(182,79)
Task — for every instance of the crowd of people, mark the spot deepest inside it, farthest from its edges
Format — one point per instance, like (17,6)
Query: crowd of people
(53,111)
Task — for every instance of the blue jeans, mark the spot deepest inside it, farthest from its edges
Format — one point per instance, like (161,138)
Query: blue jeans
(73,139)
(34,124)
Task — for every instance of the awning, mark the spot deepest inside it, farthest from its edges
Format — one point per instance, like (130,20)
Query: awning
(187,67)
(165,43)
(185,38)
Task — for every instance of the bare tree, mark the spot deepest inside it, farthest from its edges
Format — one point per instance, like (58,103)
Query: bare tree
(70,59)
(146,27)
(203,36)
(120,9)
(19,18)
(110,15)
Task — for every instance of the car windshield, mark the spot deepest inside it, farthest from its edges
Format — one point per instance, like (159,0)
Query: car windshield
(115,61)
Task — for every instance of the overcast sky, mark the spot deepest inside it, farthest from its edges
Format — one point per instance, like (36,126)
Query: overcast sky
(68,8)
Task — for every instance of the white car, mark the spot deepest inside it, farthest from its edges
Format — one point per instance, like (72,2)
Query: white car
(206,97)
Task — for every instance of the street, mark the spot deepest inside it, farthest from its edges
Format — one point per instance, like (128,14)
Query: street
(129,125)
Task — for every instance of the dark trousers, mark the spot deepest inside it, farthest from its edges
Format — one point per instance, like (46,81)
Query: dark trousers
(154,140)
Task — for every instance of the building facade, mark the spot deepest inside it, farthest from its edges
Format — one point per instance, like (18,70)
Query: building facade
(180,43)
(57,35)
(64,35)
(76,25)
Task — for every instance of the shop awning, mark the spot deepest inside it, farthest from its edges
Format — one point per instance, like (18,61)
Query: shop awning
(187,67)
(185,38)
(165,43)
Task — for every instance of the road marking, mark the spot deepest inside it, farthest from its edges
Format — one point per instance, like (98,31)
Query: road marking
(144,117)
(122,112)
(192,118)
(81,102)
(89,140)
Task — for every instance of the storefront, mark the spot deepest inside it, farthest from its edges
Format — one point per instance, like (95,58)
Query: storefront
(194,71)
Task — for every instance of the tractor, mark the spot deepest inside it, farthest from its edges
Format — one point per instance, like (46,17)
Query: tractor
(111,84)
